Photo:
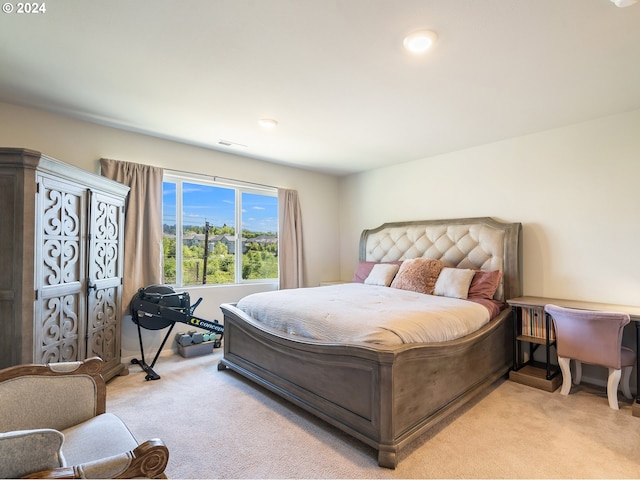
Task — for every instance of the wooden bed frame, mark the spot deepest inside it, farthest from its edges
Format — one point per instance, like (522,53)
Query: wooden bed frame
(386,396)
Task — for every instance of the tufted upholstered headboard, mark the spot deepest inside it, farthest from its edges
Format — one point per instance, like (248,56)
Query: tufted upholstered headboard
(479,243)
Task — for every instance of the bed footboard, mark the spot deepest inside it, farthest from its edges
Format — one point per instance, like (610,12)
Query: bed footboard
(370,393)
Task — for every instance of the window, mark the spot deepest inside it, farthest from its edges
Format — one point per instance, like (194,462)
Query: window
(201,220)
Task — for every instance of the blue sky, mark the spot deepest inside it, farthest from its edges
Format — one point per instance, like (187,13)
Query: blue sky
(216,205)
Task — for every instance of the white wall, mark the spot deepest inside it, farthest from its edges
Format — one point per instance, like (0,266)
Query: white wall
(83,144)
(576,191)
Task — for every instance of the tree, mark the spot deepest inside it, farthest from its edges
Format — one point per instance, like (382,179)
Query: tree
(220,249)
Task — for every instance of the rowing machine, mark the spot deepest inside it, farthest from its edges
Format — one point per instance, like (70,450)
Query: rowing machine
(156,307)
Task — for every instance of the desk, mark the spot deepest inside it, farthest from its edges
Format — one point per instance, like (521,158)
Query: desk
(634,313)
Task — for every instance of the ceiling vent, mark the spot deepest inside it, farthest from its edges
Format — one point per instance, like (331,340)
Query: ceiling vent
(227,143)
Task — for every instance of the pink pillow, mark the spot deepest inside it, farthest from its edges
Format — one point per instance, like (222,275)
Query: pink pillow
(364,269)
(485,284)
(418,275)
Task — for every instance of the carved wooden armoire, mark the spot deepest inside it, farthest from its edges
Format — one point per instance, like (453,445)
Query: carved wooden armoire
(61,262)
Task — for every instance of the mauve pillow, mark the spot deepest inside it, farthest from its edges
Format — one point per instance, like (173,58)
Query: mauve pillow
(418,275)
(485,284)
(364,269)
(494,306)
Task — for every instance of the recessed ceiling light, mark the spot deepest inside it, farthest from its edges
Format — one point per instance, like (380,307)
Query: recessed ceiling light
(420,41)
(268,122)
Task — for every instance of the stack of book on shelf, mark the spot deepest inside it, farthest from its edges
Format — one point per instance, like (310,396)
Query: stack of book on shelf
(534,324)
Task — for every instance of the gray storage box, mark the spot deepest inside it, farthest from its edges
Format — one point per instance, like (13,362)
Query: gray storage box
(195,349)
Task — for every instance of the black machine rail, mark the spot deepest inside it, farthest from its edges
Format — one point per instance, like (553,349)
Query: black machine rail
(156,307)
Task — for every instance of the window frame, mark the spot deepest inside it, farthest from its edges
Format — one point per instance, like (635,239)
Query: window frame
(239,187)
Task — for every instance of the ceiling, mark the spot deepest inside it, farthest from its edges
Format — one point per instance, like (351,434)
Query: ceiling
(332,72)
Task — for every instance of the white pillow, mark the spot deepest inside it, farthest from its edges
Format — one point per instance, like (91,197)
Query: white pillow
(454,282)
(382,274)
(27,451)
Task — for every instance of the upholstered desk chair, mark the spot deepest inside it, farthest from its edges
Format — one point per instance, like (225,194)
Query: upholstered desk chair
(53,425)
(594,338)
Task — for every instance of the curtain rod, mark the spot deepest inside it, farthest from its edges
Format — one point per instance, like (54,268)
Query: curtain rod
(217,177)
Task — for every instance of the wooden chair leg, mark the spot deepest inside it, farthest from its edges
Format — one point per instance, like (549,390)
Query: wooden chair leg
(577,378)
(565,366)
(612,387)
(626,376)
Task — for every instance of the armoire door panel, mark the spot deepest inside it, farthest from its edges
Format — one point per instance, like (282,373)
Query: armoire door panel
(59,278)
(61,329)
(105,263)
(104,336)
(57,290)
(61,260)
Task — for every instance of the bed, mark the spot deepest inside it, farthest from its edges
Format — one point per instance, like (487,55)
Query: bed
(388,395)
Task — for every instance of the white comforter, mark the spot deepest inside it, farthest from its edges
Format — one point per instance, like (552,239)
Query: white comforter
(356,313)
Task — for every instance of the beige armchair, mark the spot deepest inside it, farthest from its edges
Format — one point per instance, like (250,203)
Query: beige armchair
(53,425)
(594,338)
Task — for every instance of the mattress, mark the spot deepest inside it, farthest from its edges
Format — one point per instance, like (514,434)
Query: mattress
(360,313)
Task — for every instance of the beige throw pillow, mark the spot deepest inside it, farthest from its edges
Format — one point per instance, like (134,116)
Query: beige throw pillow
(454,282)
(382,274)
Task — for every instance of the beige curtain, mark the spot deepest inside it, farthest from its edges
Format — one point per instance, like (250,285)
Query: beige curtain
(143,252)
(290,256)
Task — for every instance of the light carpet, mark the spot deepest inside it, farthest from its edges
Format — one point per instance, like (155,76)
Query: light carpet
(216,424)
